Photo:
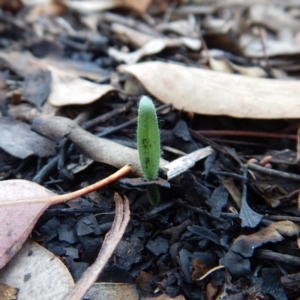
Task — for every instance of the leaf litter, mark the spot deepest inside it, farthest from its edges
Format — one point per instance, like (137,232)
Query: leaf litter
(229,173)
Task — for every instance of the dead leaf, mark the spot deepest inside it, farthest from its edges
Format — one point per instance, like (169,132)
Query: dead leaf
(140,6)
(78,68)
(273,17)
(68,89)
(18,140)
(254,46)
(164,297)
(237,258)
(53,8)
(148,44)
(89,6)
(36,88)
(226,66)
(181,27)
(130,35)
(211,93)
(35,271)
(18,221)
(112,290)
(154,46)
(8,292)
(22,203)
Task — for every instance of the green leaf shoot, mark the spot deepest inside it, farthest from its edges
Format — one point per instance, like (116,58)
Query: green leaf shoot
(148,139)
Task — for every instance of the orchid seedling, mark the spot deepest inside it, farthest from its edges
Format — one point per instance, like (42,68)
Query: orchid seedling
(148,142)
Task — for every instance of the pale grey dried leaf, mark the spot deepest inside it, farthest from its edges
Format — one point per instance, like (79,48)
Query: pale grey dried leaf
(213,93)
(18,140)
(35,271)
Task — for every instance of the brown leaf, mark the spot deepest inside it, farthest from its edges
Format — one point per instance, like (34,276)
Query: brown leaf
(212,93)
(8,292)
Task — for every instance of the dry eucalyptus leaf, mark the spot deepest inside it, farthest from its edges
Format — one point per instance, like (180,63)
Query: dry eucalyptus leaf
(17,221)
(253,47)
(273,17)
(84,69)
(154,46)
(87,6)
(111,290)
(147,44)
(92,6)
(37,273)
(181,27)
(129,35)
(68,89)
(226,66)
(20,141)
(36,88)
(212,93)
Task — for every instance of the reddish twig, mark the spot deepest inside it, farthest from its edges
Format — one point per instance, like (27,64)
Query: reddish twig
(66,197)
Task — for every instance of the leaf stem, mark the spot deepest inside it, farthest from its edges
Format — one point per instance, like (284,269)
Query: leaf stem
(70,196)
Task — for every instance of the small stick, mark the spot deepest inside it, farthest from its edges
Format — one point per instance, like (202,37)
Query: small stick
(66,197)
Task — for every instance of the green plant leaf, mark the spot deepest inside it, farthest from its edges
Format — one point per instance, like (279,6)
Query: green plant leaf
(148,139)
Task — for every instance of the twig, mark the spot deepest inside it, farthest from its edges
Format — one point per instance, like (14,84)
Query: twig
(272,172)
(66,197)
(244,133)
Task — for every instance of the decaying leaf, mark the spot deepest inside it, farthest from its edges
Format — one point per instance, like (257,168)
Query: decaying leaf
(194,90)
(148,44)
(8,292)
(18,221)
(273,17)
(93,6)
(35,271)
(22,203)
(111,290)
(36,88)
(67,87)
(229,67)
(18,140)
(237,258)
